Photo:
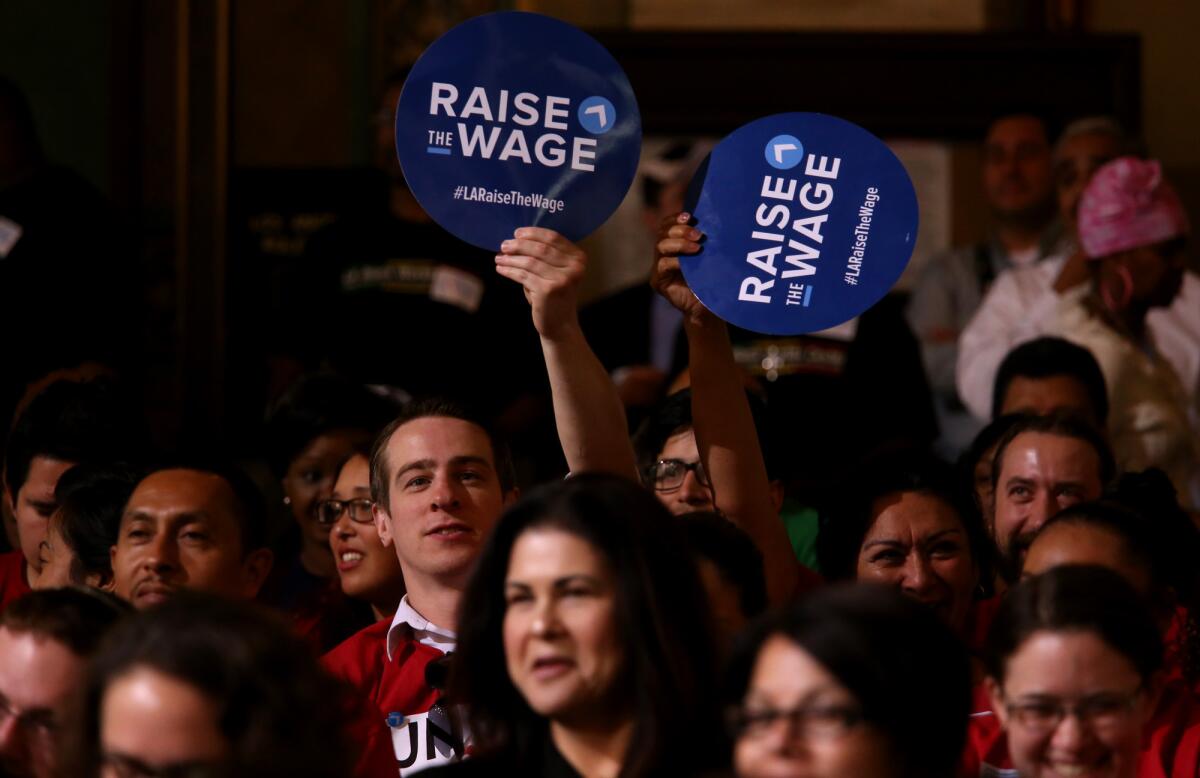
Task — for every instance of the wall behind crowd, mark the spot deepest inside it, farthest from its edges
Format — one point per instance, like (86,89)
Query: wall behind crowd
(303,78)
(1170,92)
(293,61)
(60,54)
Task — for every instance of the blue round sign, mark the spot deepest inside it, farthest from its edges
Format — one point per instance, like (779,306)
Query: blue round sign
(808,219)
(516,119)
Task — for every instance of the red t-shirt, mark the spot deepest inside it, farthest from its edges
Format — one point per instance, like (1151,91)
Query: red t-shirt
(1170,747)
(1172,744)
(13,582)
(979,621)
(399,695)
(808,580)
(986,752)
(1175,643)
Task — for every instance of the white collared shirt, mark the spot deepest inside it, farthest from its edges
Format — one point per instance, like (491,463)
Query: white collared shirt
(424,631)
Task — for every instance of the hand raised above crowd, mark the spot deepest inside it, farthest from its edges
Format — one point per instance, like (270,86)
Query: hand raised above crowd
(724,429)
(587,410)
(549,267)
(676,237)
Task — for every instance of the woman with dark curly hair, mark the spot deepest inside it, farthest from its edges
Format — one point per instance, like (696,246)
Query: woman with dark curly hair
(909,522)
(585,645)
(207,686)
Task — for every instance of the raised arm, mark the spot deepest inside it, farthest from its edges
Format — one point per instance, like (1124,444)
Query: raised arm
(587,410)
(721,418)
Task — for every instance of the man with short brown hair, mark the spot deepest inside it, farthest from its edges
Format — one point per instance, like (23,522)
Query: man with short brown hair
(46,639)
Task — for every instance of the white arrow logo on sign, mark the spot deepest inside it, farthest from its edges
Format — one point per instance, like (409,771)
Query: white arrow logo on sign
(783,152)
(599,111)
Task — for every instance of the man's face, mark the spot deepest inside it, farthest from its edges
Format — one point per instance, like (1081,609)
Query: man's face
(1157,273)
(1017,172)
(38,676)
(444,495)
(179,531)
(1045,395)
(1040,475)
(34,503)
(693,494)
(1075,160)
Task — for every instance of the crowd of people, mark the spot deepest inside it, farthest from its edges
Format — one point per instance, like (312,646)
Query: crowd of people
(1027,609)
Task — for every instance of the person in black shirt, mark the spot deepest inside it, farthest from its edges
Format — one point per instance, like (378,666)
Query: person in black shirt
(390,298)
(585,645)
(70,278)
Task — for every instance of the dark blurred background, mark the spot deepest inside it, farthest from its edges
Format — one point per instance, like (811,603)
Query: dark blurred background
(213,137)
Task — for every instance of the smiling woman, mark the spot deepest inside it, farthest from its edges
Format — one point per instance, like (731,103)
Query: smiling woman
(588,587)
(366,569)
(311,430)
(318,423)
(913,526)
(1075,678)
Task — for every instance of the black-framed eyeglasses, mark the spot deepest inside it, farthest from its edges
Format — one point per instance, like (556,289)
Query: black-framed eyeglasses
(666,475)
(329,511)
(1099,712)
(810,721)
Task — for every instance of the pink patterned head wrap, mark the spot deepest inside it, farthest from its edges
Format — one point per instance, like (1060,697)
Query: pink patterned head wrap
(1128,204)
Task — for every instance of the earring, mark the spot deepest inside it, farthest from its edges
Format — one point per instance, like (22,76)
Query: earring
(287,500)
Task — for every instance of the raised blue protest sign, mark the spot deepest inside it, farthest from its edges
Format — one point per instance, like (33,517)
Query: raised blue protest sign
(809,220)
(515,119)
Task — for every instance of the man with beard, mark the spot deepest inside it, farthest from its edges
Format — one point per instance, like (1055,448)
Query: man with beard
(1043,465)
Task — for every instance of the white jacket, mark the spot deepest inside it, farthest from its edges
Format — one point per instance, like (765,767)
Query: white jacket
(1021,305)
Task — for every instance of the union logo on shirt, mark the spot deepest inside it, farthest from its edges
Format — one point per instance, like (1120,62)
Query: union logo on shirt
(424,740)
